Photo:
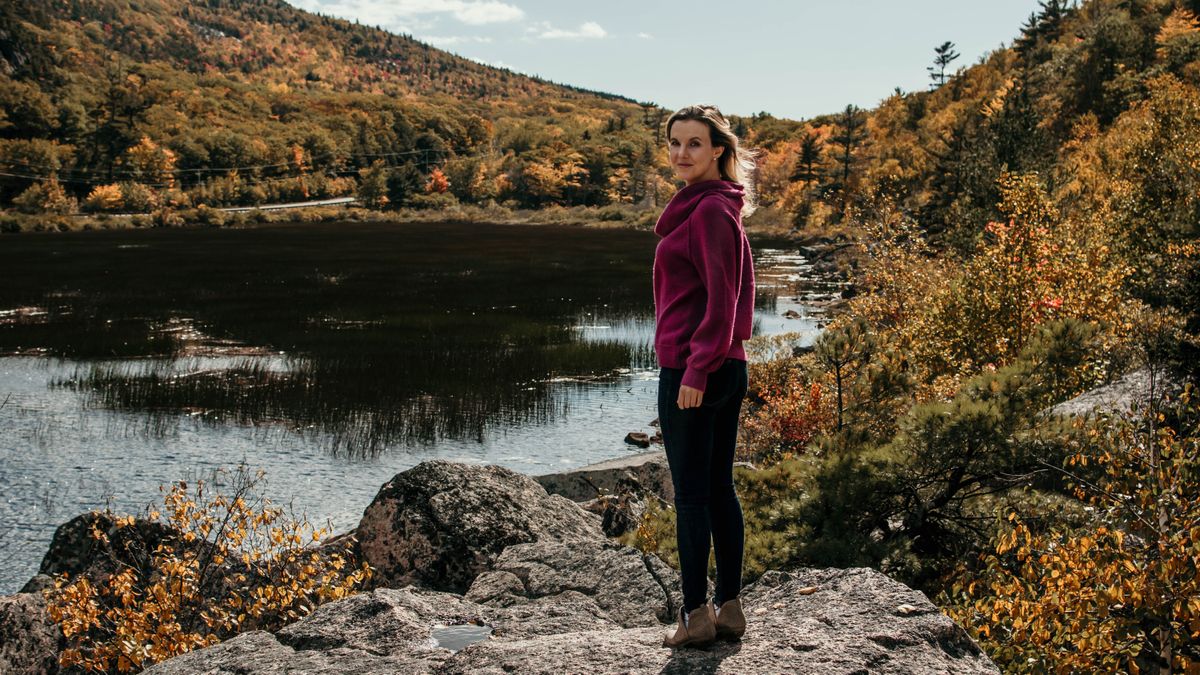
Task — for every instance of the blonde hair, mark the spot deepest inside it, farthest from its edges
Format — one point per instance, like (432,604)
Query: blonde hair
(737,162)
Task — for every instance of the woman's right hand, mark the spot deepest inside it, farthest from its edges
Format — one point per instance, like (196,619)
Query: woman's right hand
(690,397)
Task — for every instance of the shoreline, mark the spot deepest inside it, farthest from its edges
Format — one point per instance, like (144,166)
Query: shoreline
(617,217)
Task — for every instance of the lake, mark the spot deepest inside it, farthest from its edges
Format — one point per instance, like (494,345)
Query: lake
(331,356)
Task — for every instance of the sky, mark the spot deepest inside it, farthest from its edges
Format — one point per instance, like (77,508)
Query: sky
(790,58)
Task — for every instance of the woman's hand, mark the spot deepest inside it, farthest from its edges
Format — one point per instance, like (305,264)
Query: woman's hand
(690,397)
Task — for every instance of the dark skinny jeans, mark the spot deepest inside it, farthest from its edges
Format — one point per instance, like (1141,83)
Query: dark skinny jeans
(700,443)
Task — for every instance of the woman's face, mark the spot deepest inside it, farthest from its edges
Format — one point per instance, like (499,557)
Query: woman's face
(693,156)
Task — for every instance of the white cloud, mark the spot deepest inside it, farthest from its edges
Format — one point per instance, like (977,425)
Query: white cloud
(451,40)
(587,30)
(395,13)
(494,64)
(645,36)
(478,13)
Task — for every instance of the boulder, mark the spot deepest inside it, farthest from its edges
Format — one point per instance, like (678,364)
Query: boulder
(628,587)
(439,524)
(74,550)
(643,474)
(29,640)
(1119,397)
(638,438)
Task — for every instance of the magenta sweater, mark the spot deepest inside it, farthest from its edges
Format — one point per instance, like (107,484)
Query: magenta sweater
(703,280)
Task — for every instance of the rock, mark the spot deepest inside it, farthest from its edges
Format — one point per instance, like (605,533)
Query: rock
(631,589)
(792,314)
(645,473)
(29,641)
(1116,398)
(260,653)
(618,513)
(847,623)
(637,438)
(74,550)
(439,524)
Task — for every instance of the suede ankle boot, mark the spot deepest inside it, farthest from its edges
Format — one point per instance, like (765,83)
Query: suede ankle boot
(730,622)
(695,629)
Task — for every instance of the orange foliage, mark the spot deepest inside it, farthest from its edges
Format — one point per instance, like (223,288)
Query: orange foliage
(437,182)
(1119,594)
(238,563)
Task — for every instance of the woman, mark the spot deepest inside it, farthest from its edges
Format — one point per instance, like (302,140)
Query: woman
(704,304)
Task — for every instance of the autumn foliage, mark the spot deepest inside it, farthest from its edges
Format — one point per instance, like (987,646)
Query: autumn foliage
(233,562)
(1120,594)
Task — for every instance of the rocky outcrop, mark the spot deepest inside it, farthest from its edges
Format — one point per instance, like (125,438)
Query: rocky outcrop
(856,621)
(535,587)
(74,550)
(29,641)
(617,583)
(439,524)
(645,473)
(1129,395)
(805,621)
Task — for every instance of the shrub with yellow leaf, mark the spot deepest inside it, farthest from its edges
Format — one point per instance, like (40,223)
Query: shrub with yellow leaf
(1121,595)
(230,562)
(105,198)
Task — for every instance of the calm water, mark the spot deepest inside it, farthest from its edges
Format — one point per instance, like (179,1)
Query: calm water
(332,356)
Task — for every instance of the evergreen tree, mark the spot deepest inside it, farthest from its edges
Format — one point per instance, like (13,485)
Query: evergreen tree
(403,182)
(807,170)
(852,124)
(945,54)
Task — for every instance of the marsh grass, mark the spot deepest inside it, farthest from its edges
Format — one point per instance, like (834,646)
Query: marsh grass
(373,334)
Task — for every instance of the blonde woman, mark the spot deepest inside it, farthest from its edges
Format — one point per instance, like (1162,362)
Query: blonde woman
(704,305)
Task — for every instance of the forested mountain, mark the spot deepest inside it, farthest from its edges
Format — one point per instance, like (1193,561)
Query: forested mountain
(157,104)
(172,95)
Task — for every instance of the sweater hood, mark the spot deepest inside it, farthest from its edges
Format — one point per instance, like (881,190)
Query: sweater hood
(685,201)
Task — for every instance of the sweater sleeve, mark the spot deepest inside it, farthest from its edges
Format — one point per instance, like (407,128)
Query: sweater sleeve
(714,241)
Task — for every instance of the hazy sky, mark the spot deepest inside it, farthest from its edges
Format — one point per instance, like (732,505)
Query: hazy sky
(794,59)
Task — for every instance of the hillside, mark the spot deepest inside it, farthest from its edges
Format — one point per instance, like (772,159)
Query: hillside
(285,94)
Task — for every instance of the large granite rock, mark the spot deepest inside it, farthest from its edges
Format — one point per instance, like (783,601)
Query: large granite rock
(74,550)
(806,621)
(617,583)
(439,524)
(29,641)
(1129,395)
(856,621)
(645,473)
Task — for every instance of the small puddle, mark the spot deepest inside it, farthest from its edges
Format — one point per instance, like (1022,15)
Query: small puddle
(455,638)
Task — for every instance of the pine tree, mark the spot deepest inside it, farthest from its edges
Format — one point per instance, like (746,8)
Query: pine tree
(937,72)
(852,123)
(807,170)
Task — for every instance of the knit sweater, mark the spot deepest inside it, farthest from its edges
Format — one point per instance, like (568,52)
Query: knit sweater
(703,280)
